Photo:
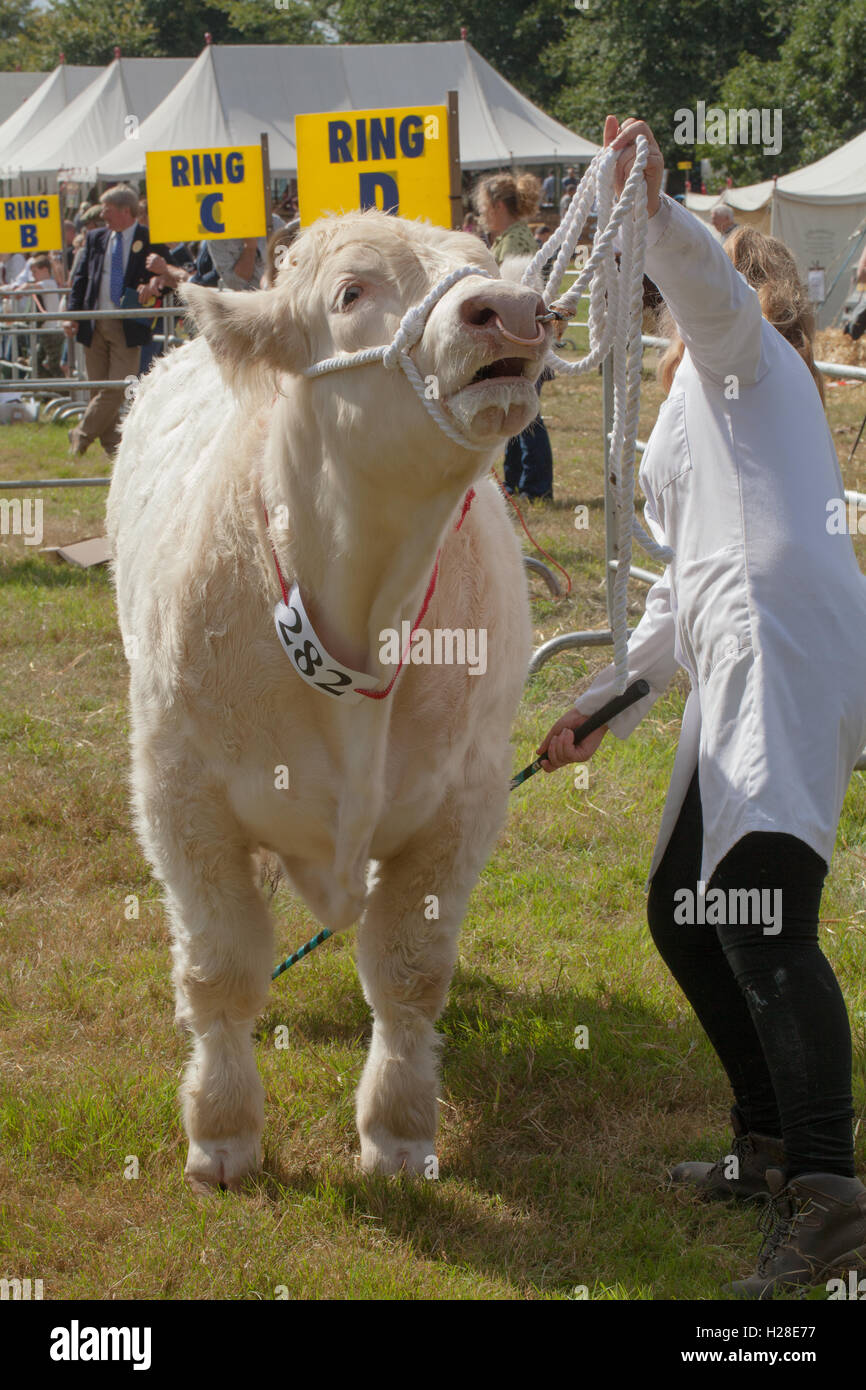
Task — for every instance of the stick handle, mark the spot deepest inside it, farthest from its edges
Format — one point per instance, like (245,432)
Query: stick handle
(633,692)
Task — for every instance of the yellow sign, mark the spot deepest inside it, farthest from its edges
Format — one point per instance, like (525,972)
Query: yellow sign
(206,194)
(394,160)
(31,224)
(684,164)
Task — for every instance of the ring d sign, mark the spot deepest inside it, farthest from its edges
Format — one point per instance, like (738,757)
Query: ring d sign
(396,160)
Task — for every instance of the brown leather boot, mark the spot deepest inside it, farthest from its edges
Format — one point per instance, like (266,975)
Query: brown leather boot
(739,1175)
(814,1228)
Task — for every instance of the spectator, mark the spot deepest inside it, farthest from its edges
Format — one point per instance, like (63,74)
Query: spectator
(238,264)
(722,221)
(548,190)
(504,201)
(42,288)
(108,275)
(569,188)
(13,266)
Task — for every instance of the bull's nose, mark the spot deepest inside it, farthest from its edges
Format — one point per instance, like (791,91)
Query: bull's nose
(511,311)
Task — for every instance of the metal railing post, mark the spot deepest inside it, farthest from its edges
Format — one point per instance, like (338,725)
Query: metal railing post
(610,547)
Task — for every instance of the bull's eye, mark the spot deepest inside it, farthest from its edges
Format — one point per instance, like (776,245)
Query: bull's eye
(349,295)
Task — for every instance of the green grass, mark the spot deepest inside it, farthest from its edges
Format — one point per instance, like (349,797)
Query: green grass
(552,1158)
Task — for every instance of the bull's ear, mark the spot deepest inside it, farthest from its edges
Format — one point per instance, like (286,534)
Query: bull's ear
(248,328)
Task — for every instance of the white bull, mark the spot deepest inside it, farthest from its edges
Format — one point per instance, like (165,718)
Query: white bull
(383,809)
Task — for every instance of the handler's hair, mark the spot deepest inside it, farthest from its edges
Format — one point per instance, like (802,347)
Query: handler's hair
(521,193)
(770,269)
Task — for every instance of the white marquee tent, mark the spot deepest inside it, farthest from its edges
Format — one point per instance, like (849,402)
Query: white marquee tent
(53,93)
(232,94)
(15,88)
(71,143)
(818,211)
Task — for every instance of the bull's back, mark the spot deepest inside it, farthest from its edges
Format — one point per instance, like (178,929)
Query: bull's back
(165,470)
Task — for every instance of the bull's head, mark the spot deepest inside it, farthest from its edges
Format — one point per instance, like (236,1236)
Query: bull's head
(344,285)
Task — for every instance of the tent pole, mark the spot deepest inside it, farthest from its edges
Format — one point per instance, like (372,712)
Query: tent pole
(266,181)
(455,191)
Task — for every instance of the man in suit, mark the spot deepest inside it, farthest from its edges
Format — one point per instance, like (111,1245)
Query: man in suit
(108,275)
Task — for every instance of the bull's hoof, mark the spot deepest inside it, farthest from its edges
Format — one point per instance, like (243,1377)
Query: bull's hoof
(221,1164)
(387,1154)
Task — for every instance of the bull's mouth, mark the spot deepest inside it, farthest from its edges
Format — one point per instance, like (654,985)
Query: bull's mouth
(503,367)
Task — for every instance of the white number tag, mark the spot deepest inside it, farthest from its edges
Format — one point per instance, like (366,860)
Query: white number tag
(310,658)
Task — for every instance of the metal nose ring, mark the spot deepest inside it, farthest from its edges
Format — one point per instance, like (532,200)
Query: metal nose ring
(513,338)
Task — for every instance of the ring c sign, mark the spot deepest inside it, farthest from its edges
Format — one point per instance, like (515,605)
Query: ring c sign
(395,160)
(206,195)
(31,224)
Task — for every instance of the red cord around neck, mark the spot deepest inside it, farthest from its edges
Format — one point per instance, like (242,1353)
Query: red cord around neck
(380,694)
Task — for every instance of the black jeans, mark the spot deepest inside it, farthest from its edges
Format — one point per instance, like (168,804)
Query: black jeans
(767,1000)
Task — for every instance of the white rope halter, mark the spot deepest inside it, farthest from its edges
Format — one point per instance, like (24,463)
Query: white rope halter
(615,324)
(409,331)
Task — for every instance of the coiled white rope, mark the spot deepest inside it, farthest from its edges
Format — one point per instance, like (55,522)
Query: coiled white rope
(615,324)
(409,331)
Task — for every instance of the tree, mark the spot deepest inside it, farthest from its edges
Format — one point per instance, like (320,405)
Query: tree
(180,31)
(816,82)
(87,33)
(15,46)
(652,60)
(511,34)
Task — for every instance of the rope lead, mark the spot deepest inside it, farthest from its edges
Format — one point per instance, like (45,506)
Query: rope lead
(615,323)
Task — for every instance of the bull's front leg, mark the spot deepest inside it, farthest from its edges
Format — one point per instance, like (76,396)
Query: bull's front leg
(407,948)
(222,950)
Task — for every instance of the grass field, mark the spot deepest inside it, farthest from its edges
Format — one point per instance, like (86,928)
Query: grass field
(552,1158)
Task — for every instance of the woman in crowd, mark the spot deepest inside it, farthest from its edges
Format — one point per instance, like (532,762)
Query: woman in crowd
(504,202)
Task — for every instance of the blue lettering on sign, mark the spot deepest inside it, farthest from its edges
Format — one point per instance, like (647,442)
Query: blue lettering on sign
(412,136)
(206,169)
(235,167)
(376,139)
(209,217)
(29,236)
(370,184)
(339,135)
(382,140)
(25,209)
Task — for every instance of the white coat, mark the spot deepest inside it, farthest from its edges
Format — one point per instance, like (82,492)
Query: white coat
(764,604)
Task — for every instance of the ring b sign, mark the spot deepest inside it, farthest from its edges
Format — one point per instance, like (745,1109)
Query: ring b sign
(31,224)
(395,160)
(206,195)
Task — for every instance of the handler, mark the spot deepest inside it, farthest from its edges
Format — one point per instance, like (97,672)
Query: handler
(765,608)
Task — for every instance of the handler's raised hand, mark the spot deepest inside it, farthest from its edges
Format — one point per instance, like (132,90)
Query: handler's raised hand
(559,747)
(623,139)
